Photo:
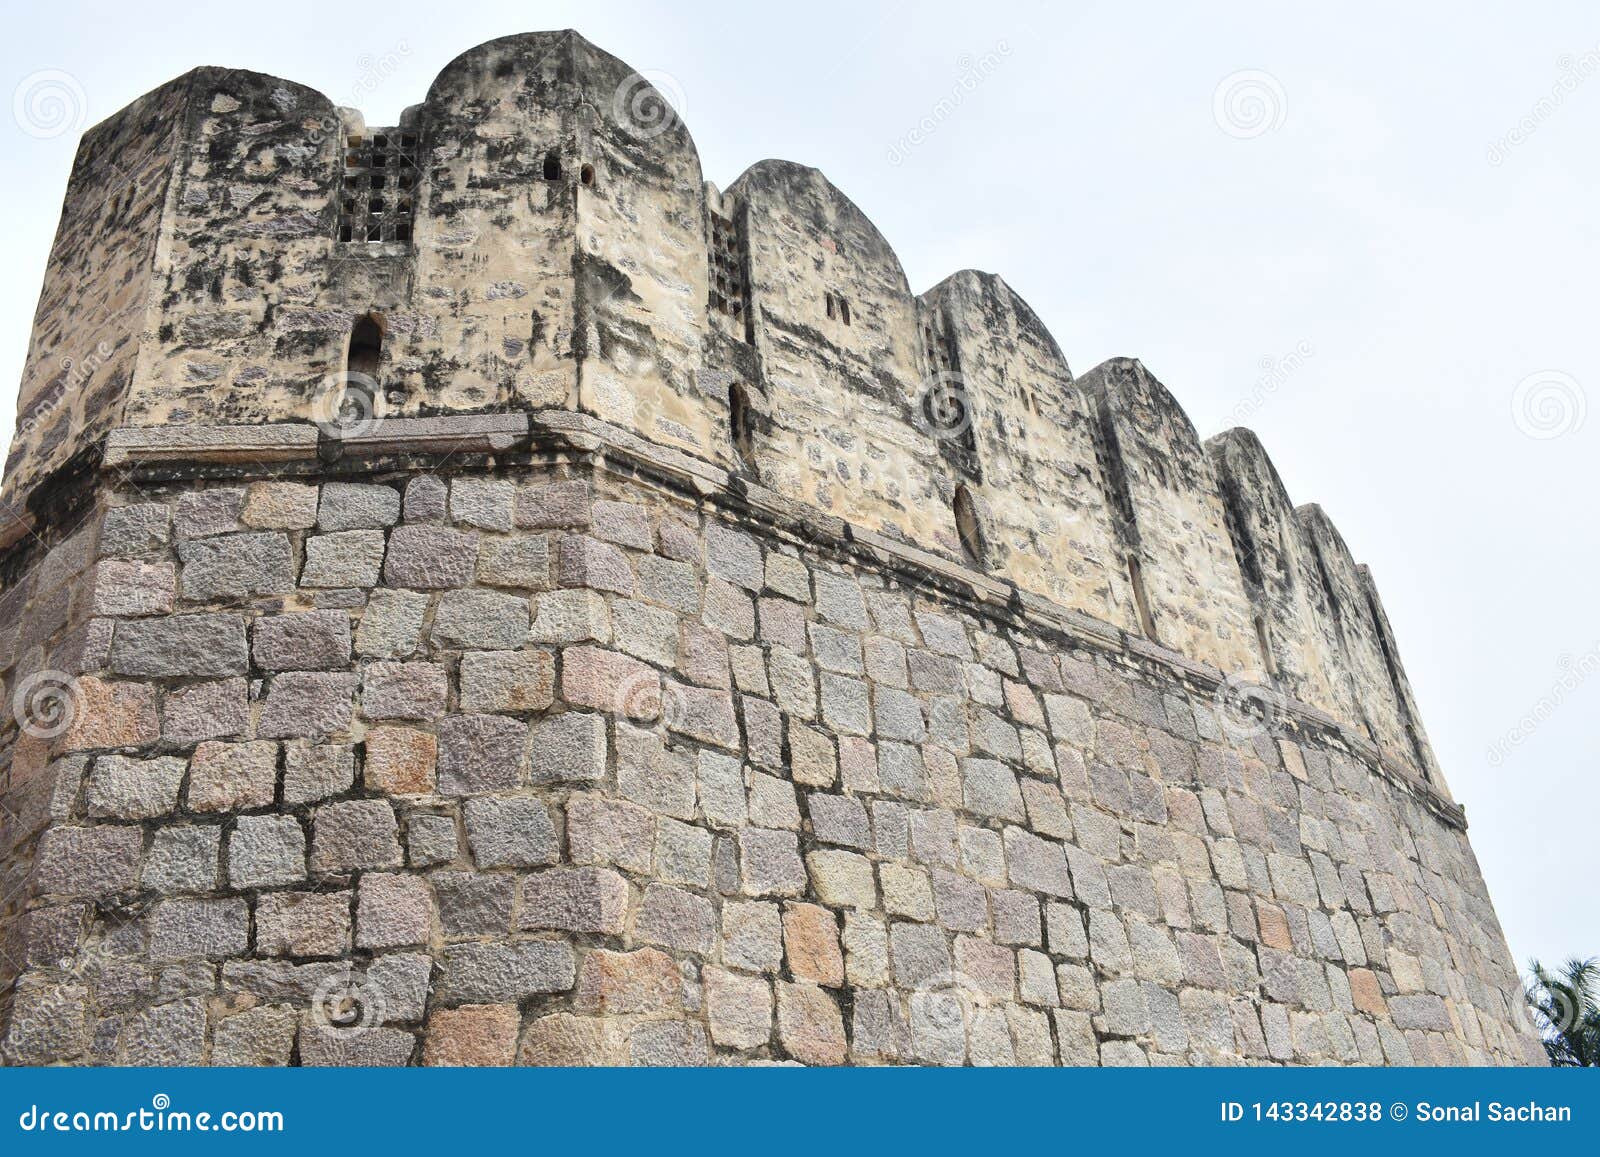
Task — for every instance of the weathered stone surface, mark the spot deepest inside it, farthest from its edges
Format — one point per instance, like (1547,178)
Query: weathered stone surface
(393,911)
(626,983)
(575,900)
(266,850)
(310,641)
(316,771)
(404,691)
(486,620)
(88,861)
(359,833)
(215,709)
(236,566)
(474,1034)
(507,680)
(303,924)
(400,760)
(188,929)
(810,1027)
(303,703)
(352,506)
(195,646)
(120,787)
(510,833)
(736,724)
(430,558)
(351,558)
(391,625)
(495,973)
(279,506)
(480,753)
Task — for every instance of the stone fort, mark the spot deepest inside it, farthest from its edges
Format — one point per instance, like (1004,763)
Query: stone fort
(474,592)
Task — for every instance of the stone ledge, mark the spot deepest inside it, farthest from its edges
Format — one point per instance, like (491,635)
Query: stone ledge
(282,442)
(453,434)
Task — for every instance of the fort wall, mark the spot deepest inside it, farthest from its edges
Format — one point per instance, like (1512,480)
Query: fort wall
(502,584)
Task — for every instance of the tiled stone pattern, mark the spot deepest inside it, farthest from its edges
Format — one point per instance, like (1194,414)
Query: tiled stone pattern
(574,772)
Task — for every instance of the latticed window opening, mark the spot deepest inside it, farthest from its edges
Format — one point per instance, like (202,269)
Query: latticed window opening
(729,294)
(377,198)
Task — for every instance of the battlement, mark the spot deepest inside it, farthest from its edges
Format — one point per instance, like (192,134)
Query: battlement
(537,234)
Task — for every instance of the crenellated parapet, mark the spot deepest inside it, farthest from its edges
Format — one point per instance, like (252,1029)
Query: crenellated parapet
(245,270)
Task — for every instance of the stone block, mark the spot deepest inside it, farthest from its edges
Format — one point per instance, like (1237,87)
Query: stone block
(349,558)
(308,641)
(303,924)
(480,753)
(190,646)
(507,680)
(354,834)
(430,558)
(415,691)
(474,1034)
(307,704)
(510,833)
(393,911)
(316,771)
(121,787)
(215,709)
(575,900)
(236,566)
(357,506)
(480,620)
(400,760)
(264,851)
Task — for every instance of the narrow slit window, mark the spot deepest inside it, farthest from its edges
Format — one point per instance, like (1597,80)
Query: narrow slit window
(968,528)
(739,426)
(1141,598)
(552,166)
(1262,638)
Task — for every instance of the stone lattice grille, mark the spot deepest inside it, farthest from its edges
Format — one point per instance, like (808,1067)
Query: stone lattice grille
(378,193)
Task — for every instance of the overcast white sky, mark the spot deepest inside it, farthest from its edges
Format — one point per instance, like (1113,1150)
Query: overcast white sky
(1373,227)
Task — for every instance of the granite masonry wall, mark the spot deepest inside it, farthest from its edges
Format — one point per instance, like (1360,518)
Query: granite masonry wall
(475,592)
